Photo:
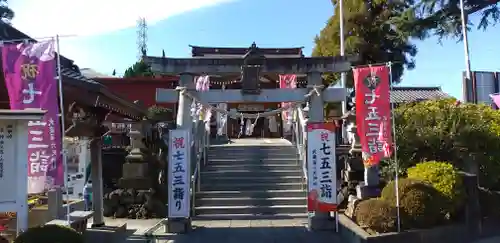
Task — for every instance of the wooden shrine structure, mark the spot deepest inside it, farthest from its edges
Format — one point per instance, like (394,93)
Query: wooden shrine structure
(250,67)
(88,104)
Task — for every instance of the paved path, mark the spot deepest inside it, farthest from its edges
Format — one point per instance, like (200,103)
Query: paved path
(250,231)
(489,240)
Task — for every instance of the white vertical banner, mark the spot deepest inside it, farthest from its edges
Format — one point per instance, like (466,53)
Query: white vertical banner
(321,168)
(179,157)
(8,168)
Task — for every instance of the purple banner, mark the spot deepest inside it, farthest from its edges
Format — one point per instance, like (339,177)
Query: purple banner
(30,71)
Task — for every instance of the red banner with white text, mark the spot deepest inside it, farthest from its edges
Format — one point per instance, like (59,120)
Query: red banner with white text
(287,81)
(373,112)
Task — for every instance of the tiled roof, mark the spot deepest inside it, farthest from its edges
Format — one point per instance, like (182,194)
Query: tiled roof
(92,74)
(199,51)
(411,94)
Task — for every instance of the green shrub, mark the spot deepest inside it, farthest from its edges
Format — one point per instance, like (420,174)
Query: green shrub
(377,215)
(443,130)
(444,177)
(49,234)
(422,205)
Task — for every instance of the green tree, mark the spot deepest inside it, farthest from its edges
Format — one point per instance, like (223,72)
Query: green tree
(380,30)
(442,17)
(369,33)
(139,69)
(6,14)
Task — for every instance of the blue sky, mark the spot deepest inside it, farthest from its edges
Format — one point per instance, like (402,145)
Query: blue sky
(107,40)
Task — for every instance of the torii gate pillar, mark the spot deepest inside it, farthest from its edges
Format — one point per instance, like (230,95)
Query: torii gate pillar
(184,121)
(318,221)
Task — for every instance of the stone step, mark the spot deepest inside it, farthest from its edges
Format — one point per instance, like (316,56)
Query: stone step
(251,160)
(251,201)
(253,148)
(251,186)
(253,157)
(246,173)
(251,167)
(251,194)
(256,178)
(250,216)
(252,210)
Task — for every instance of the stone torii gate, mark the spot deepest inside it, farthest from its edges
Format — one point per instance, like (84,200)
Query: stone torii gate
(250,67)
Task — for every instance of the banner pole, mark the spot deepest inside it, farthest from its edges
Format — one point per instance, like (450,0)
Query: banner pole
(63,127)
(396,177)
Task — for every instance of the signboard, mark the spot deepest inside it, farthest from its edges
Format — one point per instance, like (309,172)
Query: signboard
(179,178)
(251,107)
(14,170)
(373,113)
(321,168)
(8,170)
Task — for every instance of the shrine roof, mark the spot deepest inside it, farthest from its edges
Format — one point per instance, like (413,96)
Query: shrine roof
(199,51)
(412,94)
(72,76)
(27,114)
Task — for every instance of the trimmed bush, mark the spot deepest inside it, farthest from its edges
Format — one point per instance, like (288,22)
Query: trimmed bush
(422,205)
(445,130)
(377,215)
(49,234)
(444,177)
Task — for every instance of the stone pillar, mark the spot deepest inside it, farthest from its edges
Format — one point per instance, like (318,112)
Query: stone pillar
(55,202)
(369,187)
(320,220)
(353,169)
(97,185)
(184,121)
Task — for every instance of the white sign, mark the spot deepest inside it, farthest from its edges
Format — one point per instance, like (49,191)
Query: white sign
(251,107)
(179,157)
(8,170)
(321,168)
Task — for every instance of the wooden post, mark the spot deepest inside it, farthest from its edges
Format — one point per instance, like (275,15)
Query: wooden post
(96,175)
(318,221)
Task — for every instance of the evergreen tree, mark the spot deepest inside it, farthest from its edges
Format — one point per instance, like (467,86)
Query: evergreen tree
(139,69)
(370,34)
(6,14)
(379,31)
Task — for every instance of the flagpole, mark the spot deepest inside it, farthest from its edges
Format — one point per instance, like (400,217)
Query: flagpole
(466,43)
(63,127)
(396,166)
(343,75)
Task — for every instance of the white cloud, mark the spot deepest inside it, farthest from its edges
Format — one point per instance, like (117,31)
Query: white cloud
(93,17)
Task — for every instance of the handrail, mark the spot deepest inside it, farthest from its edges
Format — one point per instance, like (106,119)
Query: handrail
(300,139)
(199,148)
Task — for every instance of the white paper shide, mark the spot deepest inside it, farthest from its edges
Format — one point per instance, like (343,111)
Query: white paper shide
(179,174)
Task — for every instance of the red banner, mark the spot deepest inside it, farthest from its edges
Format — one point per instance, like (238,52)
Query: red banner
(373,113)
(287,81)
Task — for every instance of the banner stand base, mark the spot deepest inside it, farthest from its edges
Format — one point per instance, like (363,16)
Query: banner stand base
(178,226)
(321,222)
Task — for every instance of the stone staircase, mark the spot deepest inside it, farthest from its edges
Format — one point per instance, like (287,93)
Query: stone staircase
(251,181)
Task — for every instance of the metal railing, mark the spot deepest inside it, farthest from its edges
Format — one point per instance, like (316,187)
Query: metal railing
(200,142)
(299,126)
